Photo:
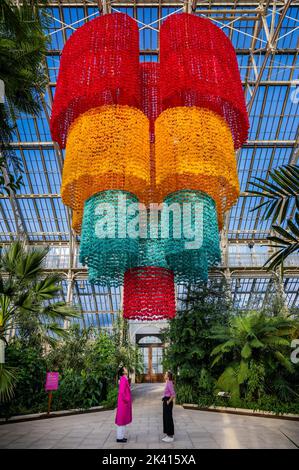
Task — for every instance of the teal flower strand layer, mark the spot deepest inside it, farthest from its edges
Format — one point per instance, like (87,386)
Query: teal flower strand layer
(151,246)
(193,243)
(107,247)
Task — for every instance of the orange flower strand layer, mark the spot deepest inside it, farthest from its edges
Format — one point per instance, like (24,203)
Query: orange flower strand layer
(194,149)
(107,148)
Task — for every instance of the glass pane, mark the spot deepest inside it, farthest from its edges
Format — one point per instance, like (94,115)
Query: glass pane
(145,356)
(157,357)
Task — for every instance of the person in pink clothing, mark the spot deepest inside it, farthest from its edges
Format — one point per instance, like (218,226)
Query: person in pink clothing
(168,399)
(124,405)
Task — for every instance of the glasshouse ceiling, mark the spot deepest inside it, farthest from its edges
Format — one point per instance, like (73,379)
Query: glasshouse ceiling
(265,36)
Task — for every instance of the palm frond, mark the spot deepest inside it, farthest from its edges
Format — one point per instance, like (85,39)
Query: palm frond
(284,361)
(228,380)
(286,241)
(281,192)
(8,379)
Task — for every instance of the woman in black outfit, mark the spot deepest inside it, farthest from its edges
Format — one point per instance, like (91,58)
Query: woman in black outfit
(168,398)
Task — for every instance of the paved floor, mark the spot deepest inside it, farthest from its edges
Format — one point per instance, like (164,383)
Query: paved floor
(193,429)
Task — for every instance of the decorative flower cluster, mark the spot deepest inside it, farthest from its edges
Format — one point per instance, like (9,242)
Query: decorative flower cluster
(195,248)
(194,150)
(199,68)
(99,66)
(149,294)
(105,246)
(152,133)
(107,148)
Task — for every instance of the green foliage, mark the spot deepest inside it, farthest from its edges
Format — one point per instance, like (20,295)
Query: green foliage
(256,381)
(213,349)
(23,46)
(31,372)
(185,393)
(71,353)
(27,296)
(188,354)
(27,304)
(111,399)
(253,347)
(285,240)
(87,362)
(8,379)
(280,198)
(78,390)
(264,403)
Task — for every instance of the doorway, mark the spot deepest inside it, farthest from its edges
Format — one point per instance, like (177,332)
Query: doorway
(151,348)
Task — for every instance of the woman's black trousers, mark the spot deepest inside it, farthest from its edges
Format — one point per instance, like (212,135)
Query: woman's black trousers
(168,427)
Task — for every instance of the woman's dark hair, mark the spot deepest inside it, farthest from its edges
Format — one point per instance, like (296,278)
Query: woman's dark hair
(121,372)
(170,375)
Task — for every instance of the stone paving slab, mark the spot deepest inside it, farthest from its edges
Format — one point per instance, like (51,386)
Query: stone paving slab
(193,429)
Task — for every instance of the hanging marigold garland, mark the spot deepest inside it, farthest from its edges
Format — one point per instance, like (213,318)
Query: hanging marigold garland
(106,247)
(192,246)
(149,294)
(151,105)
(99,66)
(194,150)
(107,148)
(108,111)
(199,68)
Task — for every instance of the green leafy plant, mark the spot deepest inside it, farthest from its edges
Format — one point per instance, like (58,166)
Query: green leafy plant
(185,393)
(8,379)
(27,296)
(111,399)
(72,351)
(27,300)
(188,335)
(23,46)
(29,394)
(78,390)
(285,240)
(251,344)
(280,199)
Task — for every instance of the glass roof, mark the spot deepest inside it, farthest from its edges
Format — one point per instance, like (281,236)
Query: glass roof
(271,87)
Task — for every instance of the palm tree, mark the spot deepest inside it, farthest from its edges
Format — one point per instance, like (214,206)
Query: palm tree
(27,305)
(22,49)
(280,200)
(28,297)
(250,343)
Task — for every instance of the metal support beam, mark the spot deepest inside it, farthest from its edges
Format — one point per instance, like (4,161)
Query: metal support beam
(17,213)
(187,6)
(104,6)
(70,274)
(250,143)
(269,50)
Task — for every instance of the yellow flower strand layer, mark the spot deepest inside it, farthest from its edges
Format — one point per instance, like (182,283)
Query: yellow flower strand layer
(77,220)
(194,149)
(107,148)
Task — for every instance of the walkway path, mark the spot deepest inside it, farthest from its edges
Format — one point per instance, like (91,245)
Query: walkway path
(194,429)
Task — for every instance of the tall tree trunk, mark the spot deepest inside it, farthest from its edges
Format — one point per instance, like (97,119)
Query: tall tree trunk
(2,351)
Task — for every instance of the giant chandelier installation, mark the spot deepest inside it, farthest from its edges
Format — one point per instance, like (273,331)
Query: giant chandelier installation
(147,133)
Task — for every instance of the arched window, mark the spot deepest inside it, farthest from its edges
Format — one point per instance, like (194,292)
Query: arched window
(150,340)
